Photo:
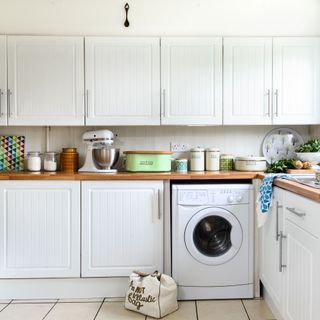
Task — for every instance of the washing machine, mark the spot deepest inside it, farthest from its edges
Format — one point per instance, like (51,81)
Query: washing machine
(212,240)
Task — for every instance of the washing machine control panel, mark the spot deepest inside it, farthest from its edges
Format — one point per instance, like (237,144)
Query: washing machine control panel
(213,197)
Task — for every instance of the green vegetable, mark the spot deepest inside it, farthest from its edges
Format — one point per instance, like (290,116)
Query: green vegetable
(281,166)
(311,146)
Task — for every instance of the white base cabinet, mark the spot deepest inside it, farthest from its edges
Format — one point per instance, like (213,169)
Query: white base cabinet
(269,249)
(122,227)
(39,229)
(294,288)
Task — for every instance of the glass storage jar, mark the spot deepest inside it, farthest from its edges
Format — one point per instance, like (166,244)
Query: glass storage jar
(34,161)
(50,162)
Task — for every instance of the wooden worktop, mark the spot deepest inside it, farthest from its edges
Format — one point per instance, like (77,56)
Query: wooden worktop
(128,176)
(308,192)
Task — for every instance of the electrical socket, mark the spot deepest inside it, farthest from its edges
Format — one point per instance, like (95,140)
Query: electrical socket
(179,147)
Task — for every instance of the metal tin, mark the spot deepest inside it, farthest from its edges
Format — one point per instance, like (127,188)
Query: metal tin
(181,165)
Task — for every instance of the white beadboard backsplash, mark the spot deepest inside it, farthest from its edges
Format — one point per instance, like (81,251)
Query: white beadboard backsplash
(236,140)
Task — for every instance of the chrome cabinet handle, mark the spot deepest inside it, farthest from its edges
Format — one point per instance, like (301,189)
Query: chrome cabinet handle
(278,206)
(87,103)
(8,102)
(163,111)
(269,103)
(297,213)
(276,94)
(159,204)
(281,265)
(1,113)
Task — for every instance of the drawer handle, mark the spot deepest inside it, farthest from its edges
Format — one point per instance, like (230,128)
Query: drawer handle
(281,265)
(294,211)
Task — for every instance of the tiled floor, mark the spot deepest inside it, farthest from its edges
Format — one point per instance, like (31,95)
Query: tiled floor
(112,309)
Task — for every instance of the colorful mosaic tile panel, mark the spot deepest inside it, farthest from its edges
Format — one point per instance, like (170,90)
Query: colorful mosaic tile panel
(12,153)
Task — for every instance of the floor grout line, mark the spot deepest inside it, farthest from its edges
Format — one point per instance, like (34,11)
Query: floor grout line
(50,309)
(196,305)
(7,305)
(103,300)
(245,309)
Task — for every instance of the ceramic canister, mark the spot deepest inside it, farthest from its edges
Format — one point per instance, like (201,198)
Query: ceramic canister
(212,159)
(197,159)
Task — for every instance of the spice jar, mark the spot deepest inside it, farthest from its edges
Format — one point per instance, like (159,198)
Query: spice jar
(34,161)
(69,160)
(212,159)
(50,162)
(226,162)
(197,159)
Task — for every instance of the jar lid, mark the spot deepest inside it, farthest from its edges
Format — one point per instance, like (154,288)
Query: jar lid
(51,153)
(69,150)
(251,158)
(181,159)
(197,149)
(34,153)
(227,156)
(213,149)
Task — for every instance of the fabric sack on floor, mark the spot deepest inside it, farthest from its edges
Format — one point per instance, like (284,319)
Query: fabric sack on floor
(153,295)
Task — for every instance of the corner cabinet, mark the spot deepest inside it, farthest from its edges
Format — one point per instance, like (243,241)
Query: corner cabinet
(45,80)
(122,81)
(296,80)
(122,227)
(3,81)
(191,81)
(290,256)
(247,80)
(39,229)
(270,273)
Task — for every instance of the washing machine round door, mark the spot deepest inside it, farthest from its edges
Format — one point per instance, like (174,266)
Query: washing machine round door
(213,236)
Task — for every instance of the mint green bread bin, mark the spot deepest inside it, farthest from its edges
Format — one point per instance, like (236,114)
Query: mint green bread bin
(148,161)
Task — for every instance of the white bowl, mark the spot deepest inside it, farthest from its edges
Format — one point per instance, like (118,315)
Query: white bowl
(312,157)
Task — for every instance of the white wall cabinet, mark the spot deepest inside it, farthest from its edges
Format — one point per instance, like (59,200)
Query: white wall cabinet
(45,80)
(191,81)
(122,227)
(269,250)
(39,229)
(247,80)
(3,81)
(123,81)
(296,80)
(272,80)
(295,288)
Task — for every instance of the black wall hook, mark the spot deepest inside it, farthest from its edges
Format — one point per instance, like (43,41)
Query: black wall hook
(126,23)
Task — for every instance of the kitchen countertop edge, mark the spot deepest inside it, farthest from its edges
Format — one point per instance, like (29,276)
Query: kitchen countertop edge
(308,192)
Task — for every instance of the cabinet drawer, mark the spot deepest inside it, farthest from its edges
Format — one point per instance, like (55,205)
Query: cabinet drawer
(303,212)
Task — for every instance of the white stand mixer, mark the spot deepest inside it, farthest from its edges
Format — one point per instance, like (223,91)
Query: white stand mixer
(101,153)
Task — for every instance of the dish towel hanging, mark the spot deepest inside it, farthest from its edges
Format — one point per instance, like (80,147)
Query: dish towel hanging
(264,200)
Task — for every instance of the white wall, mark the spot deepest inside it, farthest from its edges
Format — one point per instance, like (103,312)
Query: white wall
(161,17)
(236,140)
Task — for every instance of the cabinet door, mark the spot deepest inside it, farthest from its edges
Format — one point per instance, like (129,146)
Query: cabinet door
(122,227)
(40,229)
(247,80)
(123,81)
(191,81)
(296,80)
(46,80)
(301,276)
(3,81)
(269,253)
